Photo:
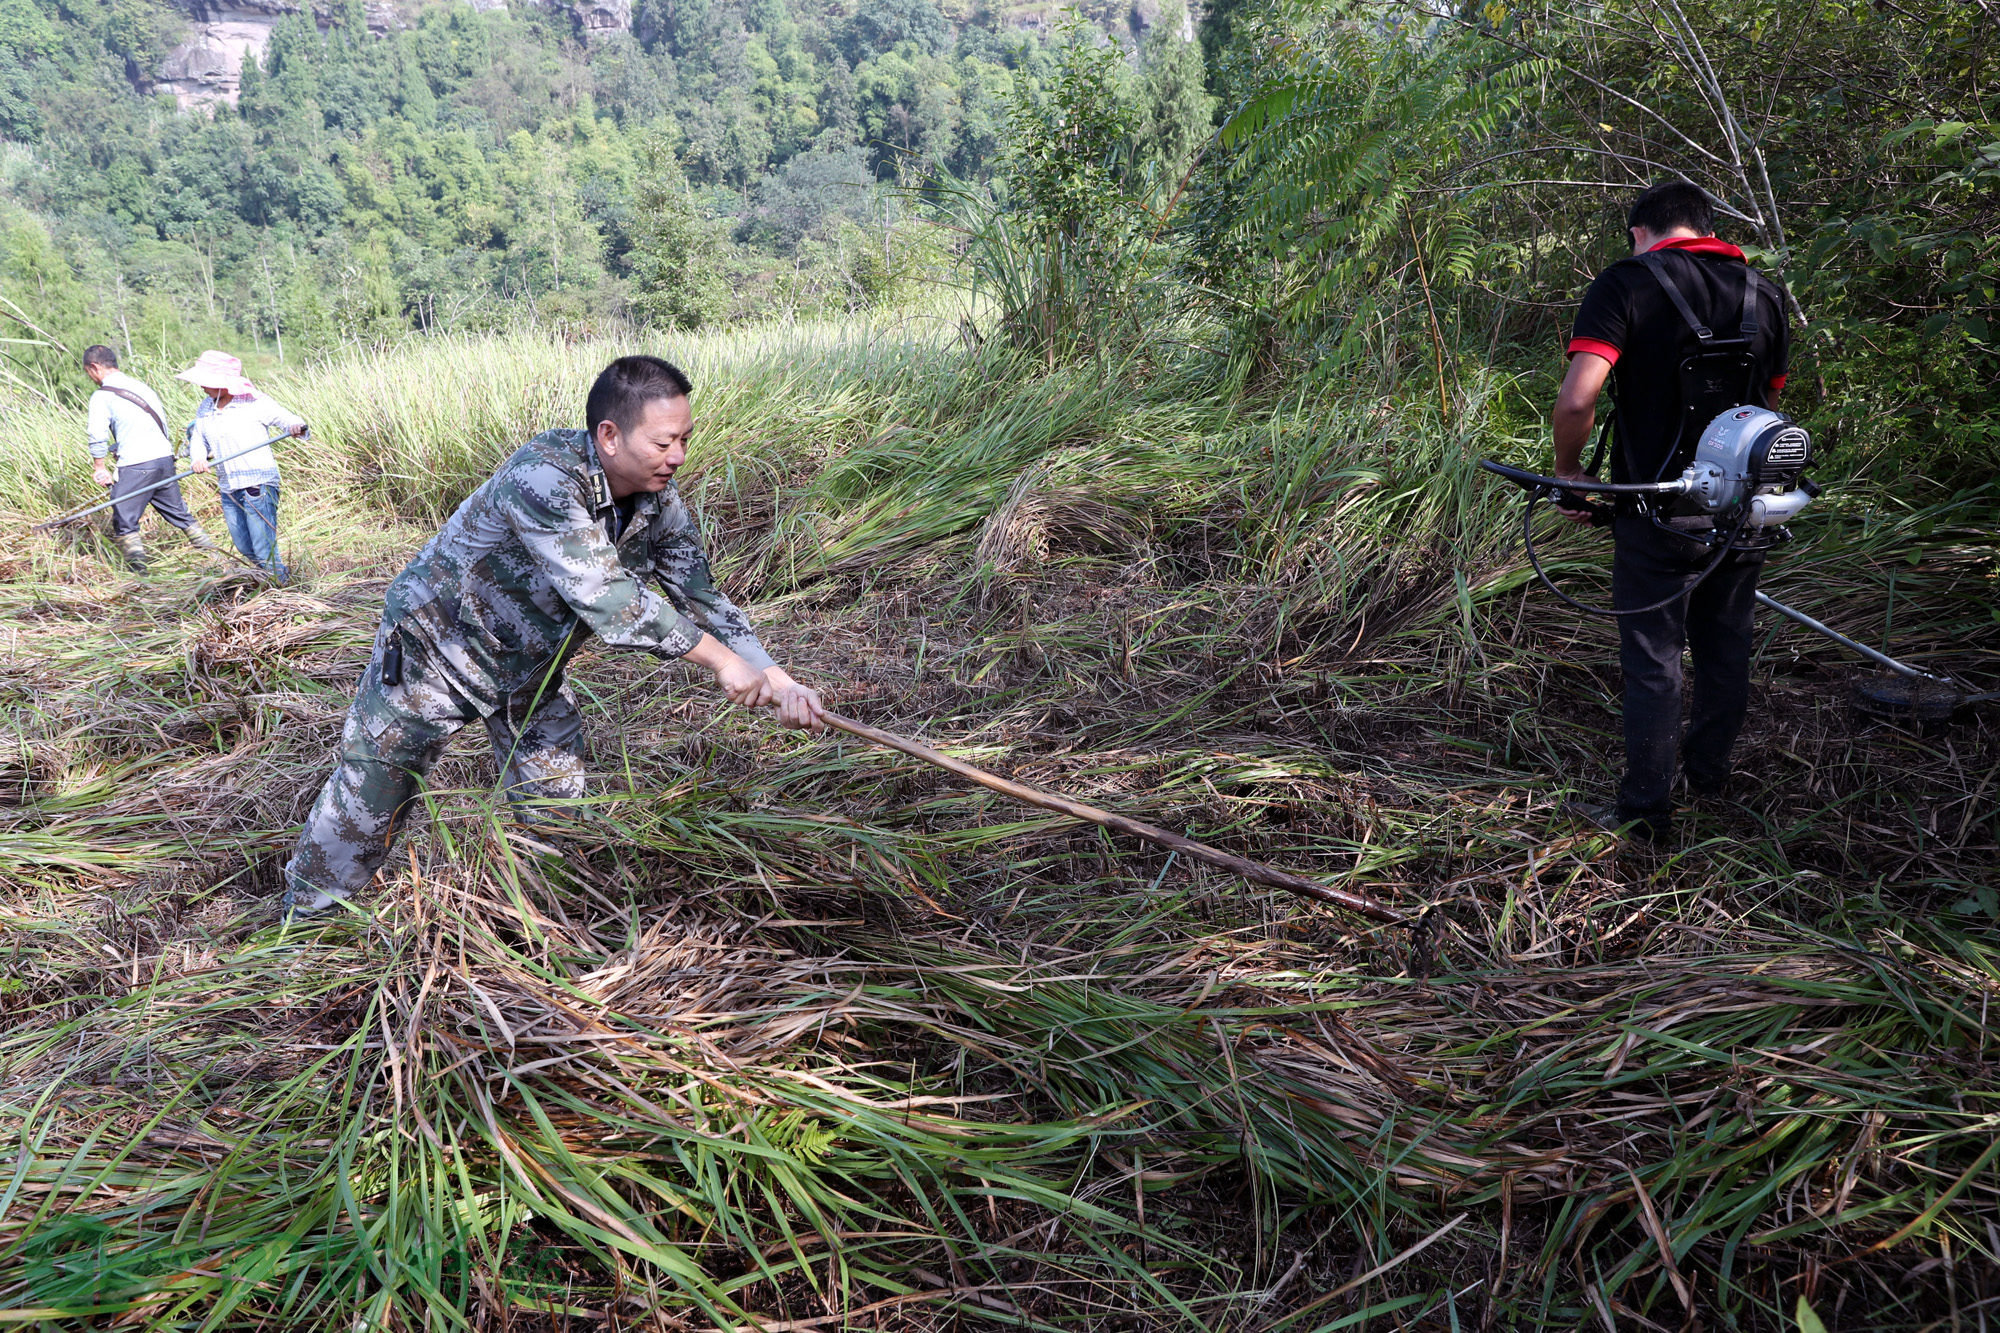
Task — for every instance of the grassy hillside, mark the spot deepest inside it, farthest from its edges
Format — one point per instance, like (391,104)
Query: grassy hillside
(807,1036)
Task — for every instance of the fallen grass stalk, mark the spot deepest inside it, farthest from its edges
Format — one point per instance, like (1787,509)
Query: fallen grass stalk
(1235,865)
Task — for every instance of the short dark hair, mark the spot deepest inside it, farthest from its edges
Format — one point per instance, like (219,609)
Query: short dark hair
(100,355)
(1673,204)
(625,386)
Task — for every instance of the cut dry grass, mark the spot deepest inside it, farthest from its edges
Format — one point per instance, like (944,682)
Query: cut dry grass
(798,1034)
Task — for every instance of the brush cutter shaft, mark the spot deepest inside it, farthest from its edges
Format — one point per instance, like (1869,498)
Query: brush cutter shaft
(1882,659)
(146,490)
(1236,865)
(1536,481)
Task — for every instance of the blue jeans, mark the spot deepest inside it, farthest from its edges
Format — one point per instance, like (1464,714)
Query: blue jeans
(252,516)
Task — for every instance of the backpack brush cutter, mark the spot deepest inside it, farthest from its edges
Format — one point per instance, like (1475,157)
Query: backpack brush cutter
(1744,484)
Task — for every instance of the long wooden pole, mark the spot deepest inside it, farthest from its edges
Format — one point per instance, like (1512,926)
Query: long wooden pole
(1253,871)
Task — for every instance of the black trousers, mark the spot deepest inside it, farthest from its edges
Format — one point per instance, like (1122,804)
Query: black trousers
(1714,625)
(127,507)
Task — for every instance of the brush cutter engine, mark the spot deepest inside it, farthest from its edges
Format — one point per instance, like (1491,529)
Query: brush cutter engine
(1742,486)
(1745,475)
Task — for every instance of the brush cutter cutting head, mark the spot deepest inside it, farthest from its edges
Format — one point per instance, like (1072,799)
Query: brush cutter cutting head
(1903,699)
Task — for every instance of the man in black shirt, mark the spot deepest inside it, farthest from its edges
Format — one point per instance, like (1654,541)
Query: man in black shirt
(1630,331)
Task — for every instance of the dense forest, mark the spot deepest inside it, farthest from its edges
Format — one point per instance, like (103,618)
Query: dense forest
(461,169)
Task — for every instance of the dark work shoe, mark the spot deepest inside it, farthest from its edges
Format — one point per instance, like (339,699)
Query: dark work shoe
(1710,798)
(1710,801)
(1704,789)
(133,549)
(1606,816)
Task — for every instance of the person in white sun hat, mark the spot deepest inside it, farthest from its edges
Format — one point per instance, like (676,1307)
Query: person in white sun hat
(233,418)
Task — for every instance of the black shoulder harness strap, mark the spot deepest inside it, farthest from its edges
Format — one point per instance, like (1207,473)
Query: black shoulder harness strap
(1716,360)
(137,402)
(1656,263)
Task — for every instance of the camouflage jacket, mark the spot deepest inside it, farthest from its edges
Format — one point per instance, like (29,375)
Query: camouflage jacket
(525,570)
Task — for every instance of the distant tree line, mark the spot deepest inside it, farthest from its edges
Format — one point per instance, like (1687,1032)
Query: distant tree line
(1414,196)
(472,169)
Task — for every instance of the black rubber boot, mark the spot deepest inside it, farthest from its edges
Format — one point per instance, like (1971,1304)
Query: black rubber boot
(200,539)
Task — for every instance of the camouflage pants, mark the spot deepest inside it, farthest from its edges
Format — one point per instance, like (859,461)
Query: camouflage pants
(393,735)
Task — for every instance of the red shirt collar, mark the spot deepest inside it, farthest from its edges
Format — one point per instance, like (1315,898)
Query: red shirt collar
(1701,245)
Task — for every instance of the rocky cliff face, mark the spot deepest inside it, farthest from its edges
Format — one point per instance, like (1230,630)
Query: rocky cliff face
(208,66)
(597,17)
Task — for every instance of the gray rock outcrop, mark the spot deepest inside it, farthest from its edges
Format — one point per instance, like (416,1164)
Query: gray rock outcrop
(208,66)
(598,17)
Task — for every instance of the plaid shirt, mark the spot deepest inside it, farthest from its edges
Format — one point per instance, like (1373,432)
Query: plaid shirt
(249,420)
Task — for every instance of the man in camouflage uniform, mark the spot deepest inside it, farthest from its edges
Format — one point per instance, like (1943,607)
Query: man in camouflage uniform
(552,549)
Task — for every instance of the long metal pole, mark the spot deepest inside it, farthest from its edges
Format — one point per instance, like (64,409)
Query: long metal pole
(1882,659)
(148,490)
(1253,871)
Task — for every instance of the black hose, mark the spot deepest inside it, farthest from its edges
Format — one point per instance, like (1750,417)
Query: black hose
(1528,540)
